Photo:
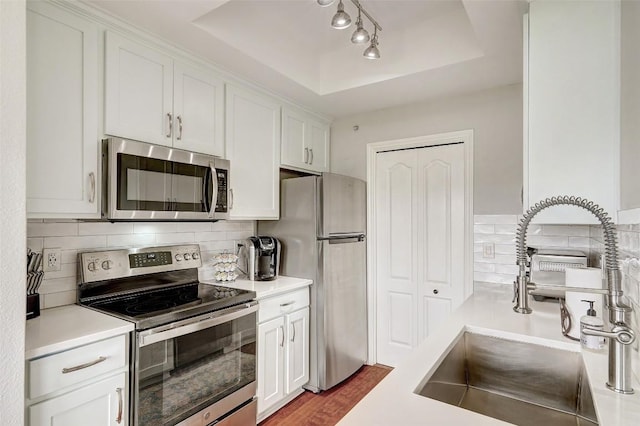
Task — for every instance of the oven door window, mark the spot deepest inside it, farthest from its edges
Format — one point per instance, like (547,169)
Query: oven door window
(149,184)
(180,376)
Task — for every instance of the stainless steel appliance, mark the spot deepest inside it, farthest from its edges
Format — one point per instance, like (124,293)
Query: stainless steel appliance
(548,267)
(193,358)
(263,258)
(322,230)
(152,182)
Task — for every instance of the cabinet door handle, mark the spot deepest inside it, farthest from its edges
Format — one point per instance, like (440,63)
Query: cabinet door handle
(282,305)
(81,366)
(179,118)
(282,339)
(170,121)
(231,199)
(311,156)
(306,155)
(293,332)
(119,416)
(92,185)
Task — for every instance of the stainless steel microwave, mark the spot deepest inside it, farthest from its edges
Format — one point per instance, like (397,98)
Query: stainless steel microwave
(153,182)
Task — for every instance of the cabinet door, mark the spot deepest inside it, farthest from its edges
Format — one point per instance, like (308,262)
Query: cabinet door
(138,92)
(318,145)
(572,142)
(271,342)
(297,356)
(295,152)
(62,113)
(253,148)
(103,403)
(198,107)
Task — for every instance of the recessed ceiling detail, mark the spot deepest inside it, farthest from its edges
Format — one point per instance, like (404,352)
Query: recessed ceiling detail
(430,48)
(294,38)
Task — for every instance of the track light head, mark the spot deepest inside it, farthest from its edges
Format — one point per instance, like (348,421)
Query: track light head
(341,19)
(360,35)
(372,51)
(325,3)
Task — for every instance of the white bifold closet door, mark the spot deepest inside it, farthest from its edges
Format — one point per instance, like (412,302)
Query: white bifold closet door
(419,224)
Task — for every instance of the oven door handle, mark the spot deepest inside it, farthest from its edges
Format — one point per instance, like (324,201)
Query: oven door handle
(192,325)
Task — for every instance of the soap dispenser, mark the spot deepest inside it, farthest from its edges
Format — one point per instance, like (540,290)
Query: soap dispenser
(591,321)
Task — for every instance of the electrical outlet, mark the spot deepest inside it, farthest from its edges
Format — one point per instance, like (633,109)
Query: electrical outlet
(488,251)
(52,259)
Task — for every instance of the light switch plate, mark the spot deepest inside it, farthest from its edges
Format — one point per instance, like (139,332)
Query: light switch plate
(488,250)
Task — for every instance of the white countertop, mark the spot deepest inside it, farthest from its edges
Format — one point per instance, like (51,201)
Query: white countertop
(65,327)
(488,311)
(265,289)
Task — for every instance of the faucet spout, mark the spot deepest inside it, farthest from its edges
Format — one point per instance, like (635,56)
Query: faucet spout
(619,351)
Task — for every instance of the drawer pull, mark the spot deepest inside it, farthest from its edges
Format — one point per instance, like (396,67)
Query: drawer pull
(119,416)
(81,366)
(282,305)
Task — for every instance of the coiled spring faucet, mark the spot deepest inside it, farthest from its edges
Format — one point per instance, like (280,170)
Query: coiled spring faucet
(621,336)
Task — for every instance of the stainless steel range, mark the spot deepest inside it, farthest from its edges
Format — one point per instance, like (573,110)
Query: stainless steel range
(193,359)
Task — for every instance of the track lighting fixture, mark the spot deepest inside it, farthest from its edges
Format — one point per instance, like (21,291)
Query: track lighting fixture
(342,20)
(360,35)
(372,51)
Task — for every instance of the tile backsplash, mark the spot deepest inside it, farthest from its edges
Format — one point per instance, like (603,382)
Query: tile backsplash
(496,234)
(72,237)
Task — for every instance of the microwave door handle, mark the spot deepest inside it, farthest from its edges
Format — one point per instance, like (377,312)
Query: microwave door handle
(214,193)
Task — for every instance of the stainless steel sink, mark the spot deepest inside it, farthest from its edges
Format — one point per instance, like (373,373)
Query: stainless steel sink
(520,383)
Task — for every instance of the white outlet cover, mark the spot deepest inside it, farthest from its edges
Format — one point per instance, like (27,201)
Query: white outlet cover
(51,259)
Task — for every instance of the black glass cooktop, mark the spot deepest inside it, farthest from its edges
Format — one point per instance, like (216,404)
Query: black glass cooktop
(156,307)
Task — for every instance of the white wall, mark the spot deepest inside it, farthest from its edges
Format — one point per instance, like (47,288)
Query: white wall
(494,115)
(12,210)
(630,106)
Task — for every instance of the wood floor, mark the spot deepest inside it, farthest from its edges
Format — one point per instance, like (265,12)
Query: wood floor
(327,408)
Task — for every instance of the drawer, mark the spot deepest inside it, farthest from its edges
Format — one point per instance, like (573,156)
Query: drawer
(282,304)
(53,372)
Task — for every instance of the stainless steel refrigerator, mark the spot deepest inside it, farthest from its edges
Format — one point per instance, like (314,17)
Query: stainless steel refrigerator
(322,232)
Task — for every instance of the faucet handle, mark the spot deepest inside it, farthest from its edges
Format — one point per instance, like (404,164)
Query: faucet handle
(621,333)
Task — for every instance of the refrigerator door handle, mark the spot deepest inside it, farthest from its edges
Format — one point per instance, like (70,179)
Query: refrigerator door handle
(343,238)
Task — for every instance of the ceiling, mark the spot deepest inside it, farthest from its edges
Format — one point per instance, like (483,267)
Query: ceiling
(429,48)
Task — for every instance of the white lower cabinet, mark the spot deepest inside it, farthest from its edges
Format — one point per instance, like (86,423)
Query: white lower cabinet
(283,350)
(80,386)
(99,404)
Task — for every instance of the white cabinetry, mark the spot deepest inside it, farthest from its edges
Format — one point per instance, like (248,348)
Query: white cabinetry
(283,356)
(153,98)
(572,102)
(62,114)
(86,382)
(253,148)
(305,142)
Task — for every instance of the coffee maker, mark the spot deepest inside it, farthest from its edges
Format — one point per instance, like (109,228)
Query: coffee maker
(263,258)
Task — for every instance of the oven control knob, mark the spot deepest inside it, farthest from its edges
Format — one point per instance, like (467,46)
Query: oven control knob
(195,256)
(178,257)
(106,265)
(187,256)
(92,266)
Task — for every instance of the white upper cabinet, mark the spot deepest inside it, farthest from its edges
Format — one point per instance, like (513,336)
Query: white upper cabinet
(571,106)
(305,142)
(253,148)
(62,114)
(153,98)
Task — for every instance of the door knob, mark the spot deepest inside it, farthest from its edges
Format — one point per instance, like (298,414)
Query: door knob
(435,291)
